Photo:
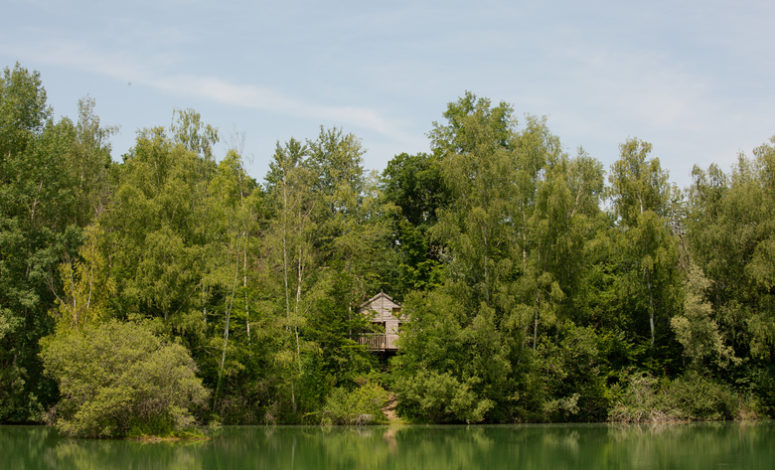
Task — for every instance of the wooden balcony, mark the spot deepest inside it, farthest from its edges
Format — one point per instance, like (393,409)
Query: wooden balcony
(379,341)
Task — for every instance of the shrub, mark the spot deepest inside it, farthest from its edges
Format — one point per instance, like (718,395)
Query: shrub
(699,398)
(636,399)
(641,398)
(441,398)
(118,379)
(362,405)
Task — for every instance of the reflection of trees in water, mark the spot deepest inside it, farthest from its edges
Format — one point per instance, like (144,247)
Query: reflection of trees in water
(441,447)
(40,447)
(97,454)
(427,447)
(694,446)
(24,446)
(363,448)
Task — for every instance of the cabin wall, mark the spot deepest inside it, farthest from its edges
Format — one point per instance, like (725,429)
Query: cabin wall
(383,310)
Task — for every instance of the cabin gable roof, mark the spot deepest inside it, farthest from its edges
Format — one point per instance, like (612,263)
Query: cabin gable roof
(381,307)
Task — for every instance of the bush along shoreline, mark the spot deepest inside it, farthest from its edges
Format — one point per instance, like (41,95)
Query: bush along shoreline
(119,379)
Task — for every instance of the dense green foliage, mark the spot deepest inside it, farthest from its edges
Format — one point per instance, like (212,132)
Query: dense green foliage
(539,286)
(118,378)
(54,177)
(641,398)
(361,405)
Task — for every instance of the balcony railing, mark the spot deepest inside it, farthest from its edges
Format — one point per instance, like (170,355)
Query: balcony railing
(379,341)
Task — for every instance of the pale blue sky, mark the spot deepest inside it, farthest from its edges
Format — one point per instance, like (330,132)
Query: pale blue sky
(697,79)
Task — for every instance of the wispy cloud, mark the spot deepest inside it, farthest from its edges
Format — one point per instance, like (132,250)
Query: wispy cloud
(149,73)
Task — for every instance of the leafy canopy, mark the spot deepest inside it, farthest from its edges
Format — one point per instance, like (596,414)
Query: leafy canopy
(120,378)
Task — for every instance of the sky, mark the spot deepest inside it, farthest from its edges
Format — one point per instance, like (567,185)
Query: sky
(694,78)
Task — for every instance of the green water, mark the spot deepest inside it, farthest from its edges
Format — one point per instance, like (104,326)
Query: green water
(696,446)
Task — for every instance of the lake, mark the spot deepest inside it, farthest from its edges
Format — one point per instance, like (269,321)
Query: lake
(591,446)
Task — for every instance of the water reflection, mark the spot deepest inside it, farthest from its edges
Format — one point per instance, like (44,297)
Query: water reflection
(700,446)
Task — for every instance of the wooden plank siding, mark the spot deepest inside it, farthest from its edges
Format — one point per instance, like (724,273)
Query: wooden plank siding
(382,309)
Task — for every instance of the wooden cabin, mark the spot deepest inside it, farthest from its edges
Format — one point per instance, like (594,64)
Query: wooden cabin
(383,311)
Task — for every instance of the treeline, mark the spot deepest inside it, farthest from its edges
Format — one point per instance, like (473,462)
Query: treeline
(540,287)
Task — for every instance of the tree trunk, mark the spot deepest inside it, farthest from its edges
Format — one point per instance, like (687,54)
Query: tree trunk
(245,283)
(300,269)
(229,304)
(651,312)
